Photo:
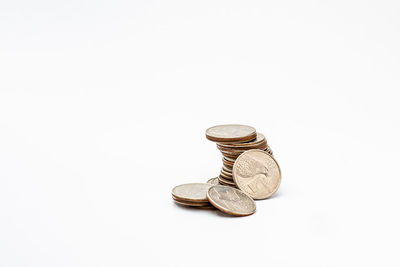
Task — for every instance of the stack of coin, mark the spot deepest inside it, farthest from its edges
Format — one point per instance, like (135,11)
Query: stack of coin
(248,165)
(232,140)
(192,195)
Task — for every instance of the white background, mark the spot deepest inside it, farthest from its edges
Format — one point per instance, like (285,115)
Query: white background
(104,106)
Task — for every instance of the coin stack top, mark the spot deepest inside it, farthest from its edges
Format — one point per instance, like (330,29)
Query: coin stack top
(231,133)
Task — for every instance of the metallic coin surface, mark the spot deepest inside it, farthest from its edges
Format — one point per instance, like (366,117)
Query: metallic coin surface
(231,200)
(269,151)
(257,173)
(226,173)
(213,181)
(231,133)
(230,155)
(225,181)
(192,204)
(227,169)
(251,144)
(239,150)
(227,163)
(230,178)
(193,192)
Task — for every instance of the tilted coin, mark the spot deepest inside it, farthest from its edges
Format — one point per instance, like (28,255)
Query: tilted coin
(227,177)
(257,173)
(225,181)
(227,173)
(253,144)
(231,133)
(231,200)
(240,150)
(227,169)
(194,192)
(213,181)
(227,163)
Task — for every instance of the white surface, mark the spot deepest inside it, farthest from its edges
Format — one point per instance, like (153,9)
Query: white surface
(103,109)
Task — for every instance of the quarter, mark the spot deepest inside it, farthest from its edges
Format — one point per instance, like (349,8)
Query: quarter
(231,133)
(231,200)
(193,192)
(257,173)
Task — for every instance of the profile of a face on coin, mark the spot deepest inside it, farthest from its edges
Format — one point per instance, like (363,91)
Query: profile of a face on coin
(257,173)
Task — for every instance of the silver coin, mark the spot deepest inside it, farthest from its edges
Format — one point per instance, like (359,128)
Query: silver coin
(251,144)
(213,181)
(257,173)
(231,201)
(231,133)
(193,192)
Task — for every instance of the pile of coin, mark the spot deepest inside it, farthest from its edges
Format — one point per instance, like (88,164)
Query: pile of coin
(249,172)
(232,140)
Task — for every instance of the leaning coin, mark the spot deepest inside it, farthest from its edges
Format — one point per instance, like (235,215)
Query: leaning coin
(227,163)
(230,200)
(194,192)
(225,181)
(231,133)
(257,173)
(252,144)
(213,181)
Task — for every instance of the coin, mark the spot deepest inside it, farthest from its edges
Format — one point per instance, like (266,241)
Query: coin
(229,159)
(231,201)
(227,163)
(192,204)
(227,169)
(254,143)
(226,173)
(231,133)
(193,192)
(239,150)
(269,151)
(226,177)
(225,181)
(213,181)
(257,173)
(230,155)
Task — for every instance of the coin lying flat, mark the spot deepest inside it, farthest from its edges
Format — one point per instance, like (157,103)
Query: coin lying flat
(257,173)
(231,200)
(194,192)
(231,133)
(192,204)
(213,181)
